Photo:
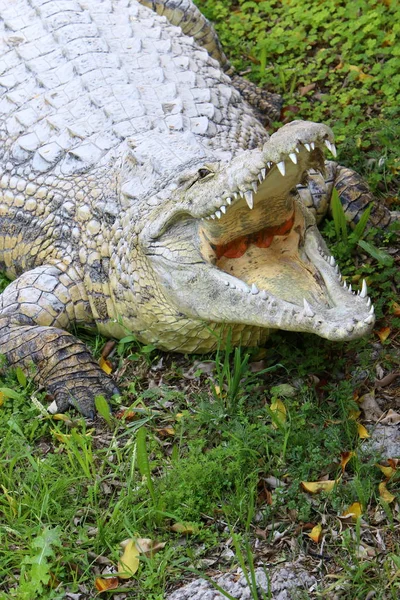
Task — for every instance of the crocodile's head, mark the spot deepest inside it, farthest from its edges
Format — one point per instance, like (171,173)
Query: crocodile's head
(233,244)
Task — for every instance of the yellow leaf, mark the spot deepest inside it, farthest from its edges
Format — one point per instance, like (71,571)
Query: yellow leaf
(102,585)
(105,365)
(354,510)
(315,533)
(362,432)
(315,487)
(383,333)
(384,493)
(217,390)
(396,309)
(354,414)
(1,398)
(183,528)
(345,457)
(129,562)
(11,501)
(387,471)
(61,437)
(165,431)
(279,410)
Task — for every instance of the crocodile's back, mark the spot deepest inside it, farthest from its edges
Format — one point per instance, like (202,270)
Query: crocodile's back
(76,79)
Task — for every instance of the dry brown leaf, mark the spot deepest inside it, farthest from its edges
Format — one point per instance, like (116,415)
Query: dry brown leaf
(384,493)
(315,487)
(108,348)
(278,408)
(362,432)
(387,380)
(128,564)
(105,365)
(354,511)
(370,407)
(306,88)
(1,398)
(345,457)
(315,533)
(102,585)
(383,333)
(148,547)
(392,418)
(186,528)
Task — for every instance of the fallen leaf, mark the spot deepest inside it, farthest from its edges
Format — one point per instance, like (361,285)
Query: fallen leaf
(387,471)
(362,432)
(186,528)
(1,398)
(354,414)
(149,547)
(354,511)
(396,309)
(315,487)
(383,333)
(128,564)
(278,408)
(345,457)
(392,418)
(102,585)
(387,380)
(384,493)
(108,348)
(166,432)
(370,407)
(284,389)
(315,533)
(105,365)
(306,88)
(127,415)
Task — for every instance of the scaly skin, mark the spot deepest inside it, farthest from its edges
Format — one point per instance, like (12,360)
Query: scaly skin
(128,162)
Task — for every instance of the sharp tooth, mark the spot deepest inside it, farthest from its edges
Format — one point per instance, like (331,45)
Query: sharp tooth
(227,283)
(340,277)
(223,209)
(281,167)
(332,261)
(264,295)
(369,319)
(307,146)
(269,163)
(344,285)
(260,178)
(307,309)
(263,173)
(364,289)
(337,269)
(372,310)
(218,214)
(235,195)
(241,194)
(249,198)
(350,290)
(368,301)
(254,289)
(328,145)
(297,150)
(333,150)
(254,186)
(312,145)
(293,157)
(229,201)
(212,216)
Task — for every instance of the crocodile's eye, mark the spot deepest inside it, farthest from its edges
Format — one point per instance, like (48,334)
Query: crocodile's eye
(203,173)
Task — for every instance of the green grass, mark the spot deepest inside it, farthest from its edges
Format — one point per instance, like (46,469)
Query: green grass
(199,444)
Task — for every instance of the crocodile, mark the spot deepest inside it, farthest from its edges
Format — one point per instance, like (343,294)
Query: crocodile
(140,192)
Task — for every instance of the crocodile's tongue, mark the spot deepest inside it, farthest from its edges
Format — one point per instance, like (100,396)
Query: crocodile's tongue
(273,260)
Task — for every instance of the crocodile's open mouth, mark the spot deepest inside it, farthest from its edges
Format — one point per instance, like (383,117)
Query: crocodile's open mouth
(262,259)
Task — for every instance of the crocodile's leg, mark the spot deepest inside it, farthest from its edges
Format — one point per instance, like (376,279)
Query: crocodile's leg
(187,16)
(34,311)
(354,195)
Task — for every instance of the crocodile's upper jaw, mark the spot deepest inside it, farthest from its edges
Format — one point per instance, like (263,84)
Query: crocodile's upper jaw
(259,259)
